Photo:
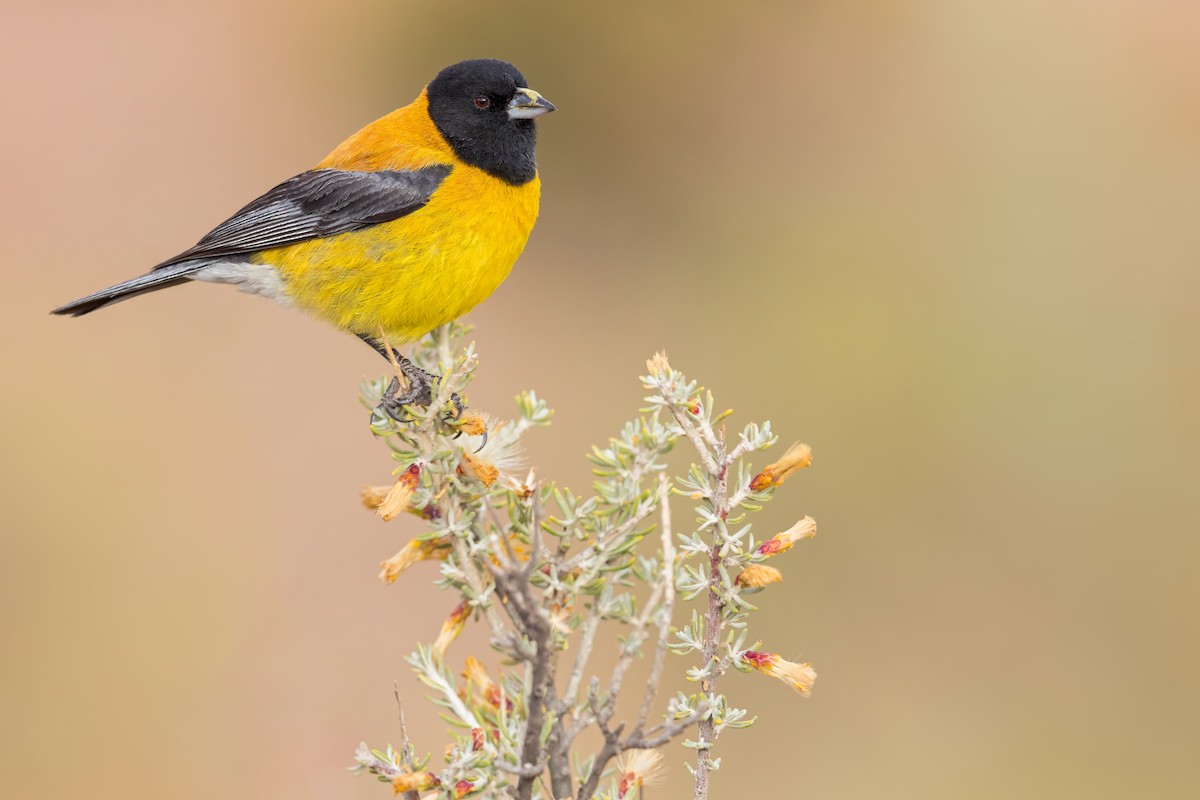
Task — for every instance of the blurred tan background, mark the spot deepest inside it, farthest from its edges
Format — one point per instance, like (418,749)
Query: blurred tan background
(951,245)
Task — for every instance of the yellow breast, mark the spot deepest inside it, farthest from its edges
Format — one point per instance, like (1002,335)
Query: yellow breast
(425,269)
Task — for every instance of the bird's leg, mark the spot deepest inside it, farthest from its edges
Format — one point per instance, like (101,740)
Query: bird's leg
(420,382)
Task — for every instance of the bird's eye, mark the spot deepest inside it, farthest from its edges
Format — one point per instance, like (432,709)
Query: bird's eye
(482,101)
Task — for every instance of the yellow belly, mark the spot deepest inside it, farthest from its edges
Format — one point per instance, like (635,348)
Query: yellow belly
(415,273)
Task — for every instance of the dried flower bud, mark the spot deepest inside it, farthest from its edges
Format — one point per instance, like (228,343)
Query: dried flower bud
(560,618)
(451,628)
(756,576)
(415,782)
(799,676)
(638,768)
(806,528)
(522,488)
(399,495)
(411,553)
(476,739)
(798,456)
(484,472)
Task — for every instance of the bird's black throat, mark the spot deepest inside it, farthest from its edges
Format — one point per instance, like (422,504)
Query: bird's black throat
(507,153)
(484,138)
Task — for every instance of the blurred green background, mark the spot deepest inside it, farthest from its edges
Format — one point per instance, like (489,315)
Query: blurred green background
(951,245)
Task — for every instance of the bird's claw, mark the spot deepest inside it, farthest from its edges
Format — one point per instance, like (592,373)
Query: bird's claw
(482,444)
(454,416)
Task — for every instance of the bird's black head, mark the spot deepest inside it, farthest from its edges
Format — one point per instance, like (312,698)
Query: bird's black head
(485,110)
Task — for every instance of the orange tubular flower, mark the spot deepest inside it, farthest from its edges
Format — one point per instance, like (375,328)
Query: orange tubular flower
(411,553)
(806,528)
(415,782)
(463,788)
(397,498)
(471,424)
(476,674)
(451,628)
(756,576)
(799,676)
(484,472)
(797,457)
(638,768)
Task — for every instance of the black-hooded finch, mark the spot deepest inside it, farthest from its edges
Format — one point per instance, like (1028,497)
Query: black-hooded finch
(405,226)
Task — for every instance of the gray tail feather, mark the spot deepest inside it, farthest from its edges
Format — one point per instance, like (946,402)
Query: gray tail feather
(172,275)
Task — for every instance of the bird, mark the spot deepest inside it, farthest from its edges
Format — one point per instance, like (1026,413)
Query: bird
(405,226)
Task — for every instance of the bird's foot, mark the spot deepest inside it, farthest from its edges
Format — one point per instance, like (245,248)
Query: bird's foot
(419,391)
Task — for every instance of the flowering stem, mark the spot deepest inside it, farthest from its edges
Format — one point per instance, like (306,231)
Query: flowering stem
(712,636)
(710,446)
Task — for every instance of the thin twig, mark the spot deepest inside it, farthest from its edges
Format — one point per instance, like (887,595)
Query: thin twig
(611,749)
(521,771)
(693,435)
(668,604)
(405,744)
(500,634)
(587,636)
(634,641)
(618,533)
(666,733)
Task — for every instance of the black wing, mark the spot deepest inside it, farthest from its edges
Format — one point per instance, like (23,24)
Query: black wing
(321,202)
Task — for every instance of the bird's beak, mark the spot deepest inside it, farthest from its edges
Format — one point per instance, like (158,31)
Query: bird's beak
(527,104)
